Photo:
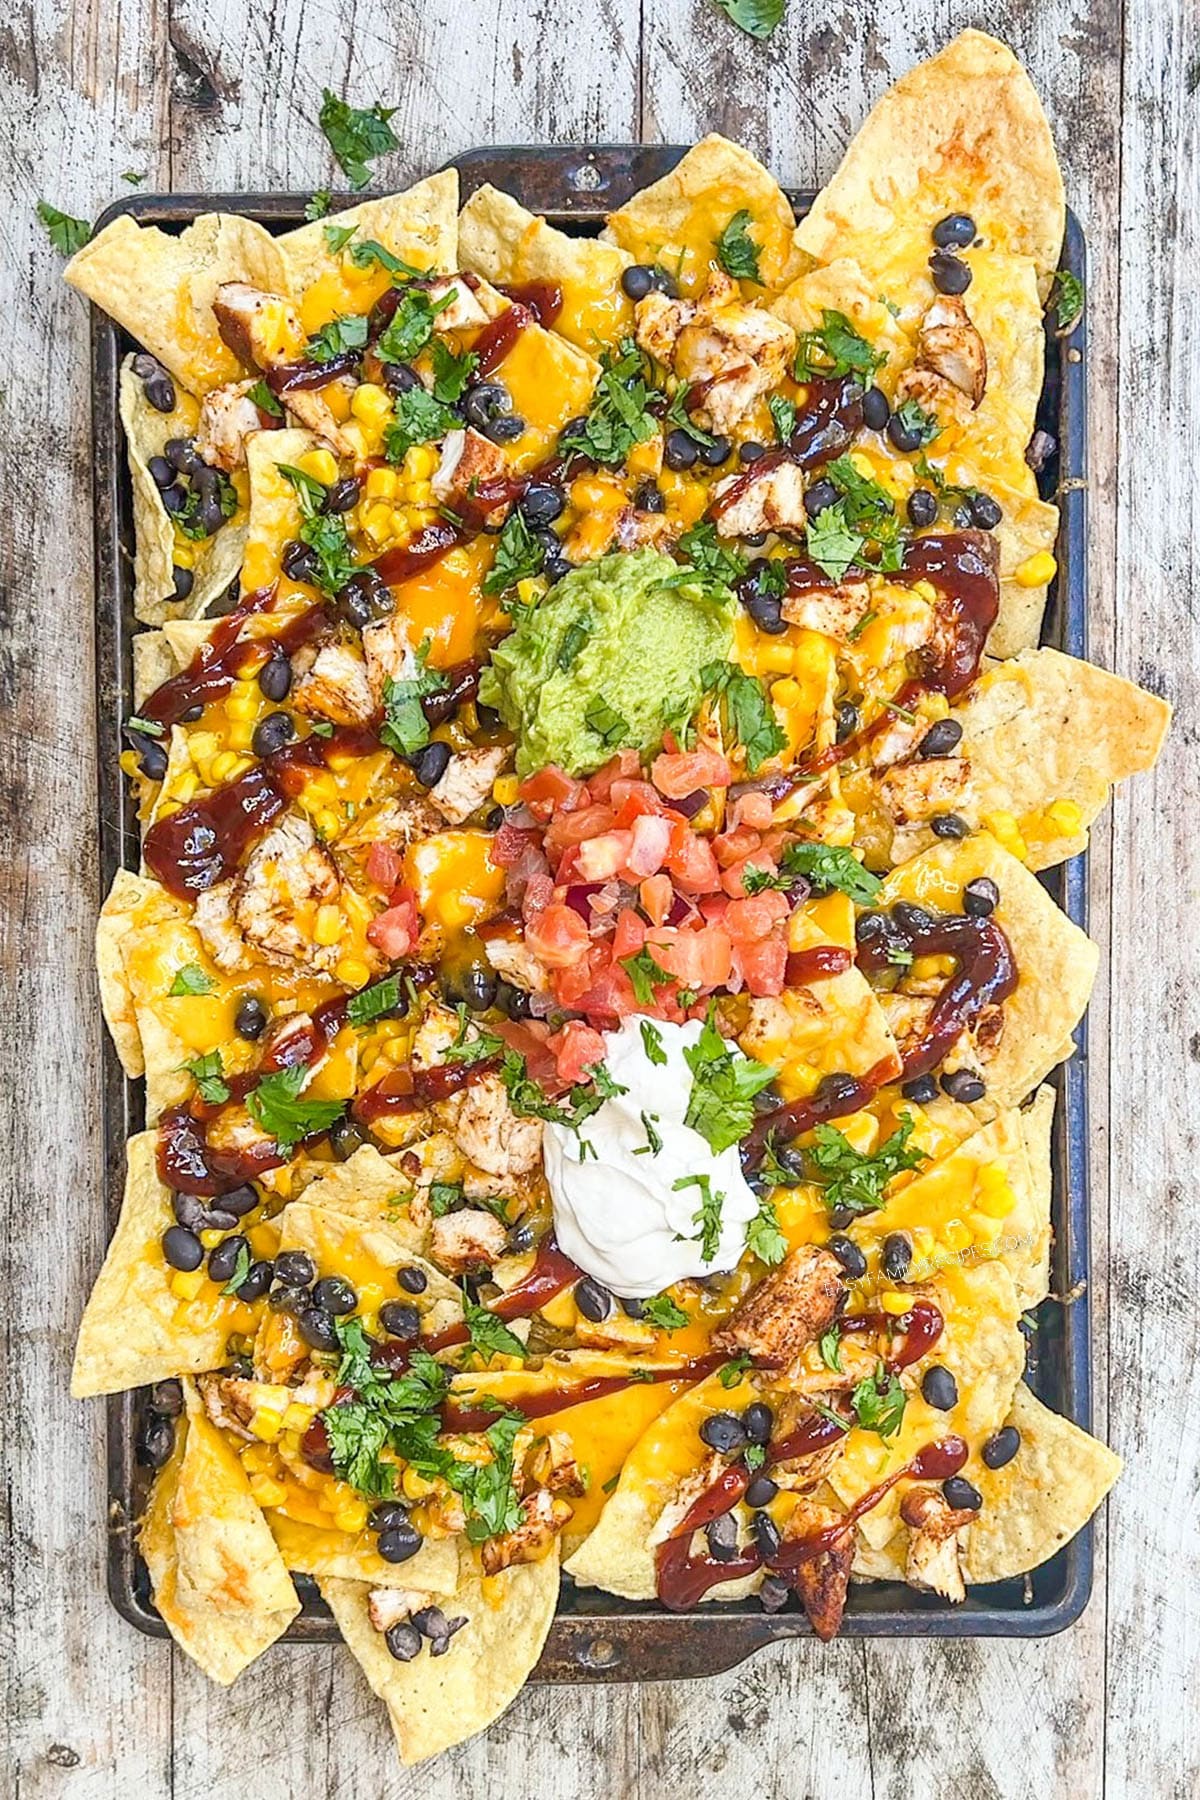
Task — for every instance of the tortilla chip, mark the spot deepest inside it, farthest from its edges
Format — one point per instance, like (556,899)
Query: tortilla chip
(1037,1125)
(434,1702)
(1056,962)
(275,514)
(217,558)
(372,1189)
(843,287)
(677,221)
(498,239)
(350,1556)
(549,379)
(1038,1501)
(1029,526)
(134,1330)
(419,226)
(157,655)
(962,132)
(161,287)
(1046,728)
(219,1581)
(132,902)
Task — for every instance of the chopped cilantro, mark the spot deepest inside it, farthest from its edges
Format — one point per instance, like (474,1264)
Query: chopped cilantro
(573,639)
(678,418)
(755,1456)
(1068,301)
(318,205)
(519,556)
(652,1044)
(868,509)
(853,1180)
(663,1313)
(191,979)
(374,1002)
(444,1196)
(417,417)
(356,135)
(831,866)
(830,1346)
(879,1402)
(337,237)
(451,374)
(369,252)
(730,1373)
(480,1045)
(835,349)
(749,717)
(276,1106)
(337,338)
(411,326)
(241,1269)
(737,252)
(724,1083)
(706,553)
(654,1142)
(757,18)
(487,1488)
(148,727)
(529,1100)
(66,234)
(605,721)
(208,1074)
(707,1216)
(324,533)
(915,420)
(646,974)
(830,541)
(406,729)
(763,1235)
(618,417)
(489,1334)
(783,415)
(264,399)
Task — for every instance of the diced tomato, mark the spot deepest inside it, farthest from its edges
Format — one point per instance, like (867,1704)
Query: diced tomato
(570,984)
(603,856)
(690,860)
(396,930)
(656,895)
(633,798)
(697,958)
(629,936)
(384,865)
(735,846)
(529,1037)
(650,842)
(624,764)
(753,918)
(539,891)
(577,1048)
(572,827)
(552,789)
(610,994)
(753,809)
(557,936)
(680,775)
(763,964)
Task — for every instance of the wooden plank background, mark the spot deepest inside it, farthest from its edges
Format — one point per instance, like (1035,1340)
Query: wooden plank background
(220,96)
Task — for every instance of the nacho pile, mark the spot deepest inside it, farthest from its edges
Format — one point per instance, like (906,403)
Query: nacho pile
(587,964)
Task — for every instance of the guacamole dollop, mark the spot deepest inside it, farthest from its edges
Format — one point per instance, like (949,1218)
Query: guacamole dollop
(610,658)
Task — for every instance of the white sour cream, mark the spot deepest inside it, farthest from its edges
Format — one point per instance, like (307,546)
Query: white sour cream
(617,1213)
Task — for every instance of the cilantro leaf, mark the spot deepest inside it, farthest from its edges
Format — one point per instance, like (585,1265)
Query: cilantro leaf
(755,1456)
(868,509)
(406,729)
(834,349)
(356,135)
(66,234)
(663,1313)
(208,1073)
(830,1346)
(373,1002)
(478,1046)
(191,979)
(241,1269)
(678,418)
(276,1106)
(707,1216)
(783,415)
(325,533)
(879,1402)
(451,374)
(357,1434)
(748,714)
(829,867)
(189,519)
(757,18)
(724,1083)
(853,1180)
(737,252)
(528,1100)
(264,399)
(1068,301)
(831,542)
(338,337)
(618,417)
(487,1488)
(654,1141)
(417,417)
(704,550)
(368,251)
(148,727)
(519,556)
(318,205)
(337,237)
(730,1373)
(915,420)
(489,1334)
(605,721)
(646,974)
(411,325)
(763,1235)
(444,1196)
(652,1044)
(574,638)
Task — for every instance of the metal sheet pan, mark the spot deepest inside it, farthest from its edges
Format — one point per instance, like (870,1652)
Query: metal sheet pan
(597,1637)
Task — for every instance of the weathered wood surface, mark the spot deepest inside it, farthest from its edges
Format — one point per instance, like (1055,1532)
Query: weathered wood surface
(221,96)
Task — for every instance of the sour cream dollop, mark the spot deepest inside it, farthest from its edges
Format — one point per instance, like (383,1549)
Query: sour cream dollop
(617,1213)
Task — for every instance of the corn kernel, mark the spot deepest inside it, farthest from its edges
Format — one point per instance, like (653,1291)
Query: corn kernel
(241,734)
(923,1240)
(984,1232)
(355,437)
(928,968)
(775,659)
(186,1284)
(1007,833)
(210,1239)
(926,590)
(321,465)
(267,1491)
(185,786)
(267,1424)
(1065,816)
(1036,570)
(382,484)
(327,822)
(327,928)
(352,972)
(183,553)
(995,1197)
(297,1417)
(370,403)
(256,1459)
(414,1485)
(787,693)
(956,1235)
(894,1303)
(811,657)
(351,1517)
(242,703)
(224,765)
(421,462)
(506,790)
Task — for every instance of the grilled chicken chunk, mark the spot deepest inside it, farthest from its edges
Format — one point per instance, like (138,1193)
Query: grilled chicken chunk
(934,1542)
(735,352)
(793,1305)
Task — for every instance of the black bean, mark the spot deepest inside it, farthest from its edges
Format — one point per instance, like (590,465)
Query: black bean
(722,1537)
(847,720)
(767,1100)
(521,1238)
(680,451)
(821,494)
(985,512)
(159,390)
(637,281)
(791,1160)
(724,1432)
(716,453)
(184,581)
(980,897)
(766,1534)
(757,1421)
(594,1302)
(876,410)
(205,481)
(963,1085)
(897,1255)
(191,715)
(195,1214)
(506,429)
(152,757)
(849,1255)
(144,364)
(431,763)
(400,1321)
(916,919)
(354,604)
(922,507)
(949,825)
(258,1280)
(334,1294)
(403,1640)
(751,452)
(1041,448)
(922,1089)
(342,495)
(485,402)
(955,230)
(250,1019)
(961,1495)
(951,275)
(836,1088)
(842,1216)
(904,437)
(664,283)
(275,677)
(399,1541)
(166,1397)
(631,1306)
(400,378)
(412,1279)
(939,1388)
(555,567)
(765,609)
(1001,1447)
(223,1257)
(298,562)
(155,1440)
(182,1248)
(438,1646)
(512,1001)
(773,1594)
(272,733)
(161,471)
(295,1268)
(345,1137)
(541,504)
(316,1328)
(762,1491)
(433,1624)
(941,739)
(287,1299)
(649,498)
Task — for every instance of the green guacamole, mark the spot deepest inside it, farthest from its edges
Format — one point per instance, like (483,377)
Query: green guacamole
(610,658)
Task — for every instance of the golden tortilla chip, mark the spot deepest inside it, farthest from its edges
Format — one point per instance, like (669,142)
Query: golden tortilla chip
(161,288)
(1029,527)
(133,901)
(351,1556)
(1038,1501)
(962,132)
(219,1581)
(372,1189)
(1056,962)
(419,226)
(1047,736)
(135,1329)
(549,379)
(434,1702)
(678,220)
(275,514)
(157,655)
(215,560)
(842,287)
(498,239)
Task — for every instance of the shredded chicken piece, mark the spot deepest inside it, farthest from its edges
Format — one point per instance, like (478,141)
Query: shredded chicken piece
(515,962)
(821,1581)
(688,1491)
(772,501)
(551,1464)
(907,1018)
(437,1030)
(467,782)
(388,1605)
(468,460)
(835,610)
(898,742)
(390,656)
(935,1542)
(227,417)
(464,312)
(466,1240)
(934,394)
(951,347)
(264,330)
(395,822)
(227,1404)
(637,529)
(336,688)
(736,352)
(217,927)
(793,1305)
(287,877)
(543,1517)
(489,1132)
(916,791)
